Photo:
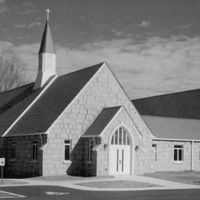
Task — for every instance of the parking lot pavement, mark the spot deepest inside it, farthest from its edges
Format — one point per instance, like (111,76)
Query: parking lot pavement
(62,193)
(4,194)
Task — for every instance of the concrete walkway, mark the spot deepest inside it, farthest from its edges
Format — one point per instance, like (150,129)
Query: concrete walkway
(74,184)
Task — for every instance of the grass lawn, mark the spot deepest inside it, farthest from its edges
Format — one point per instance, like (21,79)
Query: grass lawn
(116,184)
(188,177)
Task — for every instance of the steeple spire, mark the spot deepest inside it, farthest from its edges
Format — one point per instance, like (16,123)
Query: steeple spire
(47,41)
(46,56)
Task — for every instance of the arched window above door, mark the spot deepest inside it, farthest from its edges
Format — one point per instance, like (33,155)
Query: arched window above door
(120,137)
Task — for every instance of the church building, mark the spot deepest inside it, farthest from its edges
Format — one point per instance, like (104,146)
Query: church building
(83,123)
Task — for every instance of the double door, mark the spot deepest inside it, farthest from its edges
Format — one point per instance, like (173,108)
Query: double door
(119,159)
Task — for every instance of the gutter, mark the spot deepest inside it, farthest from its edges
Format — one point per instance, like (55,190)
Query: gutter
(178,140)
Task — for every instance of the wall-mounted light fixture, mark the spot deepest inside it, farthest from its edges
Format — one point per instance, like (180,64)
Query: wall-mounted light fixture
(137,148)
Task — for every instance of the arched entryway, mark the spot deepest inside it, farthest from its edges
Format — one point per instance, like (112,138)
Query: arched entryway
(120,152)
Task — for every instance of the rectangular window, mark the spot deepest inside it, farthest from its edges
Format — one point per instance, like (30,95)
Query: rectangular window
(154,146)
(35,151)
(67,150)
(91,145)
(178,152)
(13,151)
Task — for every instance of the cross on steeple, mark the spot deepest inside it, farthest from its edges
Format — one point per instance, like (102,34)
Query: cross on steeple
(48,12)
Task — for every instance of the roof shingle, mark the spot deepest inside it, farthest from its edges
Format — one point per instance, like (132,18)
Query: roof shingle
(177,105)
(173,128)
(101,121)
(13,103)
(53,101)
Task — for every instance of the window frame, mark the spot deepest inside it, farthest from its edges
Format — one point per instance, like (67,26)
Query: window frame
(13,152)
(120,137)
(35,150)
(91,144)
(178,153)
(67,143)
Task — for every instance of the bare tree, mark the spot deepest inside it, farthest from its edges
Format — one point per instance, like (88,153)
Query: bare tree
(11,73)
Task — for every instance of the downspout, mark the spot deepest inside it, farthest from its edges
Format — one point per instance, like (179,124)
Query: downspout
(41,149)
(192,155)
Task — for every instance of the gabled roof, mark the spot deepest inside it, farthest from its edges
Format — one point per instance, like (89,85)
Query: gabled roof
(177,105)
(173,128)
(13,103)
(101,121)
(47,41)
(49,106)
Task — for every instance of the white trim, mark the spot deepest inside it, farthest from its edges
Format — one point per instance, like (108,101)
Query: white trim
(179,140)
(180,159)
(122,124)
(72,101)
(96,146)
(67,161)
(30,105)
(88,136)
(43,147)
(178,162)
(25,135)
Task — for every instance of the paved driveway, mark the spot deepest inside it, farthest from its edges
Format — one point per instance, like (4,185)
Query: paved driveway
(61,193)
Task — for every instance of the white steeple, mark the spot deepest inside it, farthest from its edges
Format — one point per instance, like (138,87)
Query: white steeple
(46,57)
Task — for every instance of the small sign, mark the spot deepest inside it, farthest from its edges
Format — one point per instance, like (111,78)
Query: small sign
(2,161)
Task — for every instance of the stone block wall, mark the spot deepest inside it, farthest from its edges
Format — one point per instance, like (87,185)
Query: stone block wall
(165,156)
(102,91)
(138,158)
(196,156)
(23,165)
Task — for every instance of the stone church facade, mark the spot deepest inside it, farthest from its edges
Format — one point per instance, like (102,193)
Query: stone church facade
(84,124)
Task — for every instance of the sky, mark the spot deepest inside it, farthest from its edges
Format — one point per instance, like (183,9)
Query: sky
(152,46)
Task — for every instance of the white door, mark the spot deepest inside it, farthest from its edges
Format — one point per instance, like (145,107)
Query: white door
(119,153)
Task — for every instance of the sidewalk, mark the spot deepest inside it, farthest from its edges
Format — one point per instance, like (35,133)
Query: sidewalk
(120,183)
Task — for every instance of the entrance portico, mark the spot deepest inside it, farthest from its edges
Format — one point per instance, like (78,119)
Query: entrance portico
(120,152)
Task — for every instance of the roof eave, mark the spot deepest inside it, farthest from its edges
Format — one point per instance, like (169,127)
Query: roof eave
(175,139)
(29,134)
